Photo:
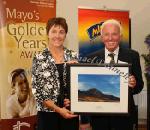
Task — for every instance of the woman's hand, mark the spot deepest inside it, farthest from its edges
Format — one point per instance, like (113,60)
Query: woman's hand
(62,111)
(132,81)
(66,113)
(72,61)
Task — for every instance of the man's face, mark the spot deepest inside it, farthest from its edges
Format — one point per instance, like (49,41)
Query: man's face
(22,87)
(111,36)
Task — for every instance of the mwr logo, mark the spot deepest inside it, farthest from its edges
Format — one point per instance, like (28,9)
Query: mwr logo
(94,31)
(19,124)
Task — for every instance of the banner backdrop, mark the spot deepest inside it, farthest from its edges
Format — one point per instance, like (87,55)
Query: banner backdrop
(89,24)
(22,34)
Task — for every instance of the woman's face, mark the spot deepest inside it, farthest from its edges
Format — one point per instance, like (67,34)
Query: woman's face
(22,87)
(56,36)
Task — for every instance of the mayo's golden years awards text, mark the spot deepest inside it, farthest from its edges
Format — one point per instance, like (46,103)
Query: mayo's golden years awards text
(29,37)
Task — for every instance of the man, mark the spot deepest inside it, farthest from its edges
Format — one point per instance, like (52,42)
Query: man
(111,34)
(21,102)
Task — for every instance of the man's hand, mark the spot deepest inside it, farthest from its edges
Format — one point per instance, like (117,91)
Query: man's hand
(132,81)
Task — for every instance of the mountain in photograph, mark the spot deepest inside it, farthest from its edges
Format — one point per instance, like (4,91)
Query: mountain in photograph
(95,95)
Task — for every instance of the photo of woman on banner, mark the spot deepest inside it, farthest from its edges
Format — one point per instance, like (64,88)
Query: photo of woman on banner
(21,102)
(49,80)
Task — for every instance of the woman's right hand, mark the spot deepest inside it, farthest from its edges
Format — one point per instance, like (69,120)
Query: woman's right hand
(66,113)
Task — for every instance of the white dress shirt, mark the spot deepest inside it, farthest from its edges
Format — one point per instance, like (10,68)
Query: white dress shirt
(108,58)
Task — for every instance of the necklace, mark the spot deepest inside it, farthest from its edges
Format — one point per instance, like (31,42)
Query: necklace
(58,56)
(65,92)
(65,76)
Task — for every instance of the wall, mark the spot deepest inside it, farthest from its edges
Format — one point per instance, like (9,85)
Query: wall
(140,24)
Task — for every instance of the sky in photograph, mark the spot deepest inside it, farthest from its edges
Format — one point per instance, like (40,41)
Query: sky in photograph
(108,84)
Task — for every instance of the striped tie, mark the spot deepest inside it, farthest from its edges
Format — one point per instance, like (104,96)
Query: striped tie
(111,55)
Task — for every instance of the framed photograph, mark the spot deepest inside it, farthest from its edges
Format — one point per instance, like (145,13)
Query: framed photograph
(99,88)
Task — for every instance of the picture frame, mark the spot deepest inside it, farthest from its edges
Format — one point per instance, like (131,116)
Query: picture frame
(101,88)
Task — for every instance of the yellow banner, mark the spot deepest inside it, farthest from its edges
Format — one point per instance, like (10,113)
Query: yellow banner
(22,34)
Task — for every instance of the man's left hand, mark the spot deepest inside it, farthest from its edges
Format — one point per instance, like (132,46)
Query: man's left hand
(132,81)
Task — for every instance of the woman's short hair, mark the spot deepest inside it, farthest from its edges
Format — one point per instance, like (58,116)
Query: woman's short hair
(58,21)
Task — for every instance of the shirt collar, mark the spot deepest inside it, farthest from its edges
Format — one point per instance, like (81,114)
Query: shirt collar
(107,58)
(115,52)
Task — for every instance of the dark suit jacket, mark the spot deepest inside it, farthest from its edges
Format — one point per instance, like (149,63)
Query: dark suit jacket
(131,57)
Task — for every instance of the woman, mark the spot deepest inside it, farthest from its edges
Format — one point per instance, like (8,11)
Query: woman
(49,80)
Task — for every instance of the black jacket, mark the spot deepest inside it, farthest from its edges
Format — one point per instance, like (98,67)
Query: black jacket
(126,55)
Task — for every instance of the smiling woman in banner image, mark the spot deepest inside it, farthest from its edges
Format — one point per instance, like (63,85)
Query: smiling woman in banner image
(21,102)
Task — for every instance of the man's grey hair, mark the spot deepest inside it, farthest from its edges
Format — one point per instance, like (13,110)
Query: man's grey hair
(114,22)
